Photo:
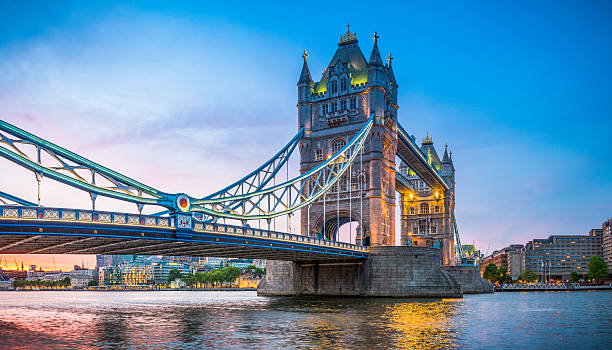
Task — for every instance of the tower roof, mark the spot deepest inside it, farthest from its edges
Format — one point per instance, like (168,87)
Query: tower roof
(375,59)
(430,153)
(349,55)
(305,75)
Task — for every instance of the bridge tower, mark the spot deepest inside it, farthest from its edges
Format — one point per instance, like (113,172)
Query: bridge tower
(332,111)
(427,215)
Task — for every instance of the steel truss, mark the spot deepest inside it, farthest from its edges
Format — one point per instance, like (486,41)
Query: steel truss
(288,197)
(47,159)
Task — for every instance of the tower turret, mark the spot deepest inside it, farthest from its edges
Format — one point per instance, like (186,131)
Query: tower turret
(305,91)
(377,77)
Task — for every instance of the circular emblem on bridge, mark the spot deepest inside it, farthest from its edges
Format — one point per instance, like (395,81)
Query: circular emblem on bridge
(182,202)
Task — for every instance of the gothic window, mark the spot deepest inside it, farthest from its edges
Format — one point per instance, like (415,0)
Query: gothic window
(337,145)
(319,154)
(342,105)
(412,211)
(333,106)
(324,108)
(334,86)
(353,103)
(343,84)
(424,208)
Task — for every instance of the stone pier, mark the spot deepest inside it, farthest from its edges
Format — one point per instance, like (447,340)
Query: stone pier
(470,279)
(387,272)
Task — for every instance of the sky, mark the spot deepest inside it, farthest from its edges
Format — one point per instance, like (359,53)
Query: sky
(185,96)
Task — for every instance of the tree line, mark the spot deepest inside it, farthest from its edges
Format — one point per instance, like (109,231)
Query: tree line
(63,283)
(215,278)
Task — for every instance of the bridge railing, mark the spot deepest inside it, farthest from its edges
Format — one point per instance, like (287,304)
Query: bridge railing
(11,212)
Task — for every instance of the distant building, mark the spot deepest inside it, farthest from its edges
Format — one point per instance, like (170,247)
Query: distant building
(103,261)
(161,270)
(126,275)
(606,229)
(555,257)
(511,257)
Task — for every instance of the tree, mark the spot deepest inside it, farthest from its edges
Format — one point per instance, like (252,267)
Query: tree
(502,275)
(528,276)
(574,277)
(491,273)
(598,269)
(173,275)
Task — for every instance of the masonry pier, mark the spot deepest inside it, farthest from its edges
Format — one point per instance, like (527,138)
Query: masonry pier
(387,272)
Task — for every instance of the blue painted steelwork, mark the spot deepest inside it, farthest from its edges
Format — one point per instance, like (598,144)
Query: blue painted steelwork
(292,195)
(13,147)
(39,221)
(6,196)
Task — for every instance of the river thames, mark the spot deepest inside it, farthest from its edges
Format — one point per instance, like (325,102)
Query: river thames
(240,320)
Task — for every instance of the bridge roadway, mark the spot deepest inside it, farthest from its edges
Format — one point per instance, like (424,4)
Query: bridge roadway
(41,230)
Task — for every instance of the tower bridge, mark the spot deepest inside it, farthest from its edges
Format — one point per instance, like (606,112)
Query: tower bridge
(354,157)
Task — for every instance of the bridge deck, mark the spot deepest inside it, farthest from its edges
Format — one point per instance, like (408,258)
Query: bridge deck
(36,230)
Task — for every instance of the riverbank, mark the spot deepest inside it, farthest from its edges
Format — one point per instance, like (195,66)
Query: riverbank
(138,290)
(548,288)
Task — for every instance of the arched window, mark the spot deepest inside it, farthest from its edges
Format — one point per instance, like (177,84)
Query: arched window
(424,208)
(343,84)
(334,86)
(337,145)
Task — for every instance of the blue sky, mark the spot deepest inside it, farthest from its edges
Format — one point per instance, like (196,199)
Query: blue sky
(162,92)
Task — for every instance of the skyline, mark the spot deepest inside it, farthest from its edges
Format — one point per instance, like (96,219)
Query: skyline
(521,100)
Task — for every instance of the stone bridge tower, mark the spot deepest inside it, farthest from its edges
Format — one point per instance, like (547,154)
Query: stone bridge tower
(332,111)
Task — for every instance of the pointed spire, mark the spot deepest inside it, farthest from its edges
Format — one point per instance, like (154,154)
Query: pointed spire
(427,140)
(391,75)
(375,59)
(305,75)
(445,157)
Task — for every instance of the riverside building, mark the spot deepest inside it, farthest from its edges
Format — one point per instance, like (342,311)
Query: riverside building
(555,257)
(606,234)
(512,258)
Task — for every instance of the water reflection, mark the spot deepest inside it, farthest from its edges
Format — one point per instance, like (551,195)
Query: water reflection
(423,325)
(238,320)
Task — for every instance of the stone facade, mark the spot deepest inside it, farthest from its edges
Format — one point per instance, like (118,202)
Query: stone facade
(387,272)
(332,111)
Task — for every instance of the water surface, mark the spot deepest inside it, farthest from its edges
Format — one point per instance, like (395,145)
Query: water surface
(239,320)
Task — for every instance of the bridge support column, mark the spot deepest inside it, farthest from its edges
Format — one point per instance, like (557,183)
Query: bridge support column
(387,272)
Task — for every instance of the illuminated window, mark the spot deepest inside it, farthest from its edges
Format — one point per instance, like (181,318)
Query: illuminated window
(343,84)
(337,145)
(319,154)
(353,103)
(424,208)
(342,105)
(334,86)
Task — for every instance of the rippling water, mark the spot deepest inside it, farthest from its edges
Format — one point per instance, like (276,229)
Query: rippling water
(178,320)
